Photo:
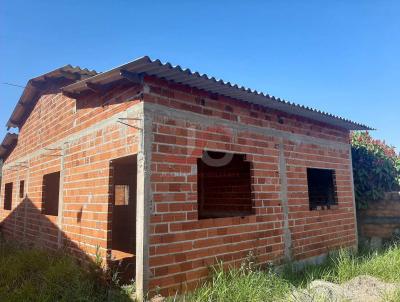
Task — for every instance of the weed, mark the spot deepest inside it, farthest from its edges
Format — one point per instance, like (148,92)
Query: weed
(251,284)
(32,274)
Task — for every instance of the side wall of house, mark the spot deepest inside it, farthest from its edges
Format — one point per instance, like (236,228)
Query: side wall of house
(80,138)
(77,139)
(185,122)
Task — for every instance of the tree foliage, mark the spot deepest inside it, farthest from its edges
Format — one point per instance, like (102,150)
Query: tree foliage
(376,168)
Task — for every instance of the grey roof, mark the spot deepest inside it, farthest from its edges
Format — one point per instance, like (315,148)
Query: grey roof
(33,88)
(177,74)
(9,142)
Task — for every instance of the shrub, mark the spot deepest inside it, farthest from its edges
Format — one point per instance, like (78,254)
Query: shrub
(376,168)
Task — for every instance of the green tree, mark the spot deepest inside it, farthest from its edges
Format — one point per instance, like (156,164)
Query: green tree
(376,168)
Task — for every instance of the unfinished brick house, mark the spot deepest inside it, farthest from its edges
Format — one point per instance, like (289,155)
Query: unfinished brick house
(171,170)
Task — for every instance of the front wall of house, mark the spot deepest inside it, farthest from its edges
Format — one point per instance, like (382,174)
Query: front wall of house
(80,138)
(77,139)
(182,246)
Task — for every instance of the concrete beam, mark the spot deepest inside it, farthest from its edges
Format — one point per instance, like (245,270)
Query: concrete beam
(160,110)
(27,181)
(76,136)
(143,208)
(287,236)
(61,196)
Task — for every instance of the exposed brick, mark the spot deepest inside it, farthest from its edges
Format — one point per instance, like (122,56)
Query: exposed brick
(181,245)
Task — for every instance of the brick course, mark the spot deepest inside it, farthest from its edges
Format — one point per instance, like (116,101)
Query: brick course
(81,137)
(381,219)
(181,245)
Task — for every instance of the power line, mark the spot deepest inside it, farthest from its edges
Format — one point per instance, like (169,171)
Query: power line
(15,85)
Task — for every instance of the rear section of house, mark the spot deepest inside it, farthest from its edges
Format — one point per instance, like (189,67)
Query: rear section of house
(169,171)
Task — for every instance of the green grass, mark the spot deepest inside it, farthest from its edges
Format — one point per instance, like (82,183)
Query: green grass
(255,285)
(31,274)
(238,286)
(345,265)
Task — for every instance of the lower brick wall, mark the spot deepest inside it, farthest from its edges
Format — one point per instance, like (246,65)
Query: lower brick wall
(279,227)
(182,246)
(381,220)
(83,226)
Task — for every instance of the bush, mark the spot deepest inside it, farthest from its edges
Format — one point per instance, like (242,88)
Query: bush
(376,168)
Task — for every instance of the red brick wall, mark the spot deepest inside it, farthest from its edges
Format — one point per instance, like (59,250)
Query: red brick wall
(58,122)
(181,245)
(185,121)
(381,219)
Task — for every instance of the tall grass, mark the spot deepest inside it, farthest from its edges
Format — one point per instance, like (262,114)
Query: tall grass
(344,265)
(256,285)
(237,285)
(31,274)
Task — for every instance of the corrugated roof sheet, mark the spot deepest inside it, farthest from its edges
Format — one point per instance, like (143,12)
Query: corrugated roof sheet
(32,89)
(8,143)
(177,74)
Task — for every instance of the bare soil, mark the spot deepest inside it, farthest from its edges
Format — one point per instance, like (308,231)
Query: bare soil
(359,289)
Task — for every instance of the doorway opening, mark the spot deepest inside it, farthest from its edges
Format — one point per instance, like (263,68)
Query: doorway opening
(123,176)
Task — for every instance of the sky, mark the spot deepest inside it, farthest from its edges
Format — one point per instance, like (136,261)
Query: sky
(342,57)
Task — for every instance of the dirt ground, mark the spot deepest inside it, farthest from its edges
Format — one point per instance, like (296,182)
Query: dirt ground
(359,289)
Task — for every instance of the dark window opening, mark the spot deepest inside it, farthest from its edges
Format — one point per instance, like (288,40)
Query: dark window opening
(50,193)
(8,188)
(21,189)
(223,185)
(321,188)
(123,184)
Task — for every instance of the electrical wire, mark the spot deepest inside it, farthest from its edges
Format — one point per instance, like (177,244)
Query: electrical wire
(15,85)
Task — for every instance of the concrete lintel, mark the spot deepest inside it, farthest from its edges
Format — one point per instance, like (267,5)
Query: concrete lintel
(156,109)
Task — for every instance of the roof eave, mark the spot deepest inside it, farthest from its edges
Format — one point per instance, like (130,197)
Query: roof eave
(34,86)
(8,144)
(177,74)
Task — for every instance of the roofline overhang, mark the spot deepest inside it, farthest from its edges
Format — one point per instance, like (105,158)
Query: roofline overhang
(146,66)
(8,144)
(36,85)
